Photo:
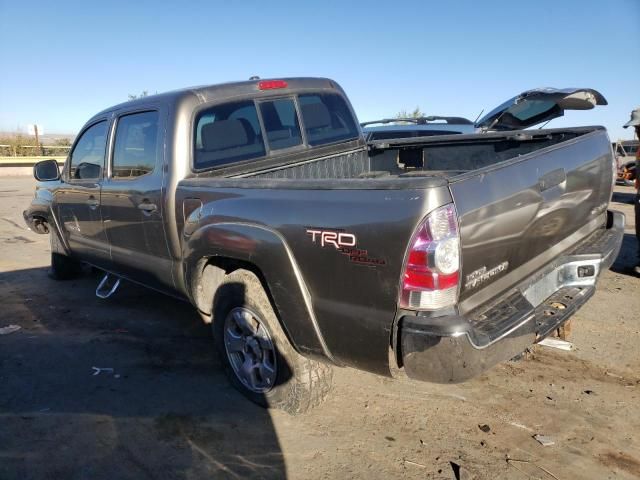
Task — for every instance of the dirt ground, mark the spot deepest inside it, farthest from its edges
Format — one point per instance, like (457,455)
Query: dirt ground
(167,411)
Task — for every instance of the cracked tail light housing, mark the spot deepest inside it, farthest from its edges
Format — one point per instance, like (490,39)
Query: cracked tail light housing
(431,276)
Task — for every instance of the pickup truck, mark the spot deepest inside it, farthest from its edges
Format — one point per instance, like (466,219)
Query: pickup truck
(306,247)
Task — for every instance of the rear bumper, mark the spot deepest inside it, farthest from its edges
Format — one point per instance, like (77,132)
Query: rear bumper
(455,348)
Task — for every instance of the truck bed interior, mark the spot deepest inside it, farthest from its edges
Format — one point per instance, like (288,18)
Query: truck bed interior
(446,156)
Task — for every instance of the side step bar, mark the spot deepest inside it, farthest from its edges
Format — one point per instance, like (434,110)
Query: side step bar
(107,286)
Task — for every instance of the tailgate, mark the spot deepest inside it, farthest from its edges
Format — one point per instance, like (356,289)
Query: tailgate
(517,216)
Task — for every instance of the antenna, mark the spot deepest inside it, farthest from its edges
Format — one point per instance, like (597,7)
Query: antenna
(481,112)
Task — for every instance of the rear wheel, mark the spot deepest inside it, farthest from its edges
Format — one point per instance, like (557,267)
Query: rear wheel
(256,353)
(63,267)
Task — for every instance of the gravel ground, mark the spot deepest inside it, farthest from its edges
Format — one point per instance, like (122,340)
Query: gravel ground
(167,411)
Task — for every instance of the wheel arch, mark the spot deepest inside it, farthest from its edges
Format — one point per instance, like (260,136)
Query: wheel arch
(215,250)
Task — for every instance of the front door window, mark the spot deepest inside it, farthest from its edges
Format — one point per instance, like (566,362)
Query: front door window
(87,157)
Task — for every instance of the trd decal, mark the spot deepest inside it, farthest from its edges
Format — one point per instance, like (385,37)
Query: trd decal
(328,237)
(345,243)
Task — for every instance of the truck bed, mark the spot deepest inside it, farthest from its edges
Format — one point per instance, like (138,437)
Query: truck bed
(441,156)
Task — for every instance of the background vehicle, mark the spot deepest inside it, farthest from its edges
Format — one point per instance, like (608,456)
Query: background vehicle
(528,109)
(261,203)
(415,127)
(625,152)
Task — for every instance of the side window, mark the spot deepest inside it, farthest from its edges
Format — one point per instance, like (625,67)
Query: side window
(327,118)
(227,133)
(135,148)
(281,123)
(87,157)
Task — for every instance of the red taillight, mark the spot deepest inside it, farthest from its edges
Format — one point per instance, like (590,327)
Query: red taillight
(272,84)
(432,271)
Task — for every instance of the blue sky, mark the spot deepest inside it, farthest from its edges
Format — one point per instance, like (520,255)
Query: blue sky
(64,61)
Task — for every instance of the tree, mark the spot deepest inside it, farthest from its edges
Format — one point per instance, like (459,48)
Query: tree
(143,94)
(417,113)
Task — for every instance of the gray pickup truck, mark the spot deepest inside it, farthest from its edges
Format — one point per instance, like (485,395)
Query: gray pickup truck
(306,247)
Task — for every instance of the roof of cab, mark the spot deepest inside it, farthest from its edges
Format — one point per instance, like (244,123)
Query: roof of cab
(221,91)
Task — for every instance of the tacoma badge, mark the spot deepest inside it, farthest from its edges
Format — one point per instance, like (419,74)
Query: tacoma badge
(481,275)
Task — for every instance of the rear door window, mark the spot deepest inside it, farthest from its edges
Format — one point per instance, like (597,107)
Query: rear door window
(281,123)
(326,118)
(227,133)
(135,149)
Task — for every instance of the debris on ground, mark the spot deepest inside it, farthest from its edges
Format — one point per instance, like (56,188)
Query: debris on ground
(460,473)
(519,425)
(556,343)
(484,427)
(456,470)
(98,370)
(514,463)
(416,464)
(9,329)
(544,440)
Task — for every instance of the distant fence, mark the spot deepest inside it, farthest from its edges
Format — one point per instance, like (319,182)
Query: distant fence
(11,166)
(31,150)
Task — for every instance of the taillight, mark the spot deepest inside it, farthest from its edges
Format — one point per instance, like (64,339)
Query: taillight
(432,270)
(272,84)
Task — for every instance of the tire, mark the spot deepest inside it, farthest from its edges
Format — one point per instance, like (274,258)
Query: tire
(62,267)
(247,332)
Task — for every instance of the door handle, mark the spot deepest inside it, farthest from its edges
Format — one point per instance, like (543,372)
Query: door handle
(92,202)
(147,208)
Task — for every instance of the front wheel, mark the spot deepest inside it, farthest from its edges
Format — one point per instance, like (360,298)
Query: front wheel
(63,267)
(256,353)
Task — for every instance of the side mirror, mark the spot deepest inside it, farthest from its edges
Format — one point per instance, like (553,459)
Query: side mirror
(46,171)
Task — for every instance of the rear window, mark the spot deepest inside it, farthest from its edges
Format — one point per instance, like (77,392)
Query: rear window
(281,123)
(234,132)
(327,119)
(531,108)
(227,133)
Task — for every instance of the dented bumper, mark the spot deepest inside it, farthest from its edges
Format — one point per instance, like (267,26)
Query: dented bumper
(454,348)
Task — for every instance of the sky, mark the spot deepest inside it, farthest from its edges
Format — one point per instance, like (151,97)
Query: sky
(63,61)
